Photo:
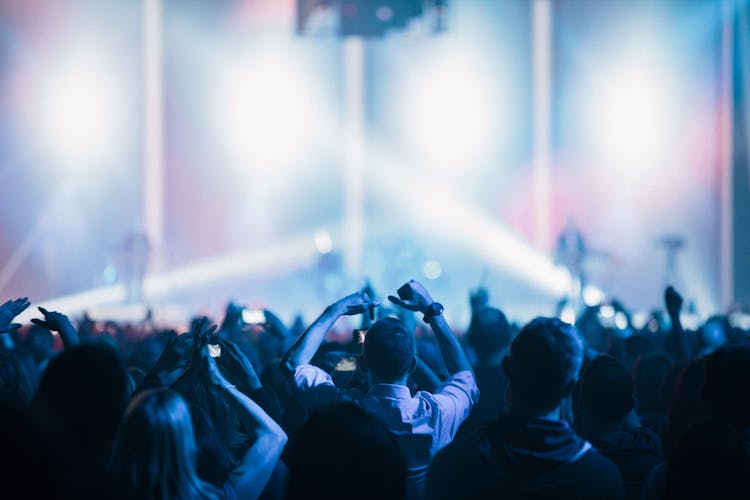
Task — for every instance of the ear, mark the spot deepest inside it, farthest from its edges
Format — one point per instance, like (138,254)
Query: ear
(413,365)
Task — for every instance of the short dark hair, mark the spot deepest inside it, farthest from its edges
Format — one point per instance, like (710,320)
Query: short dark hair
(543,363)
(389,348)
(369,462)
(726,382)
(605,390)
(489,331)
(87,387)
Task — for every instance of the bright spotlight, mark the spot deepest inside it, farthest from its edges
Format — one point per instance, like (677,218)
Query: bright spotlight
(266,113)
(79,110)
(621,321)
(432,269)
(607,312)
(592,296)
(631,115)
(323,241)
(568,315)
(447,120)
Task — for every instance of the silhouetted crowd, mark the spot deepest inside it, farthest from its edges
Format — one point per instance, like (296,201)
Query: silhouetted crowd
(398,408)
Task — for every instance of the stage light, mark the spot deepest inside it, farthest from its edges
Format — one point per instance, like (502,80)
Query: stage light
(568,315)
(592,296)
(267,113)
(323,241)
(607,312)
(432,269)
(621,321)
(630,113)
(79,116)
(447,121)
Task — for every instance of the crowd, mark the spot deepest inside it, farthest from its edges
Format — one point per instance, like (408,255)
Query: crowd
(401,408)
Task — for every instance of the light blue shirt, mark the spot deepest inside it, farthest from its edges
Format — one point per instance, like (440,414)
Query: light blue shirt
(422,424)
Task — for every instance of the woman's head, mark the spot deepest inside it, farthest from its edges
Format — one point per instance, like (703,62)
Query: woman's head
(155,449)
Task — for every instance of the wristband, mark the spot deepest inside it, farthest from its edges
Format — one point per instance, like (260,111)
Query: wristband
(434,309)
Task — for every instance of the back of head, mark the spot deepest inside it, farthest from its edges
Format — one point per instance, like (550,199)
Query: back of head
(543,363)
(489,332)
(155,449)
(726,382)
(345,453)
(649,376)
(389,349)
(710,461)
(86,386)
(605,390)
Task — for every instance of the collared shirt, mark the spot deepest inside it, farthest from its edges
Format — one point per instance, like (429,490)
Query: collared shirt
(422,424)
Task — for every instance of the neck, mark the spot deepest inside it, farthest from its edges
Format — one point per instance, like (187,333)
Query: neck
(375,379)
(555,414)
(491,360)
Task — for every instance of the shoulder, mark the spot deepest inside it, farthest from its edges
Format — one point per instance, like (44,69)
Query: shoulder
(600,474)
(468,456)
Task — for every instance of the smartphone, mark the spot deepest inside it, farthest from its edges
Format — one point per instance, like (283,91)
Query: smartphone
(253,316)
(347,364)
(358,336)
(214,350)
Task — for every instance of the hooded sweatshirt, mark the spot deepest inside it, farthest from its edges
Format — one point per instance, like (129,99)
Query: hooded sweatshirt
(518,457)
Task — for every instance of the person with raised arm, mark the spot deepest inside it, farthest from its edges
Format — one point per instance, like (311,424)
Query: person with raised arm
(423,423)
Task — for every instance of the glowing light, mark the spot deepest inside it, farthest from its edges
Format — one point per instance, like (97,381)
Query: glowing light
(631,112)
(79,112)
(437,206)
(592,296)
(639,320)
(267,111)
(621,321)
(607,312)
(323,241)
(568,315)
(432,269)
(447,121)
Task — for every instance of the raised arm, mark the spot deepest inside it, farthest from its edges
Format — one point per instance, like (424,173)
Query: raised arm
(256,466)
(415,297)
(305,347)
(58,322)
(673,302)
(8,312)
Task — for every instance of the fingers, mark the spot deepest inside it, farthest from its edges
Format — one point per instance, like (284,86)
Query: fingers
(39,322)
(399,302)
(14,326)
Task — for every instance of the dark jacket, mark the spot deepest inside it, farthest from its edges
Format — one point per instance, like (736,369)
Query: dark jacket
(518,457)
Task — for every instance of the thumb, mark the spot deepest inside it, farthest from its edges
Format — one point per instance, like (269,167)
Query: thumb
(398,301)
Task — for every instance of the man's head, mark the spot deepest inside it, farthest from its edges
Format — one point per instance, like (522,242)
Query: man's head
(389,352)
(85,388)
(605,391)
(542,365)
(726,382)
(489,332)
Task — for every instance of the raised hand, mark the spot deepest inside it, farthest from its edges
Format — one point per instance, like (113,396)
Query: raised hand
(201,331)
(237,367)
(412,296)
(673,301)
(58,322)
(53,321)
(479,298)
(356,303)
(9,311)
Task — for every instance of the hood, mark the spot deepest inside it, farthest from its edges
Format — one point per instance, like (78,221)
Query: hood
(531,445)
